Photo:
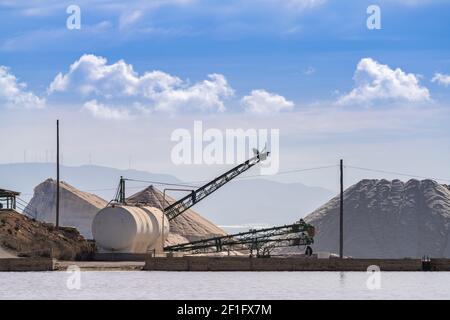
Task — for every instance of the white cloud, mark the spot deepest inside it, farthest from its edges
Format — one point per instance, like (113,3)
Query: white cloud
(204,96)
(411,3)
(375,82)
(99,110)
(129,18)
(263,102)
(302,4)
(442,79)
(92,76)
(13,94)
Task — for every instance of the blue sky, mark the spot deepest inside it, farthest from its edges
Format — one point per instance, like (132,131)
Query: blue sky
(277,64)
(264,44)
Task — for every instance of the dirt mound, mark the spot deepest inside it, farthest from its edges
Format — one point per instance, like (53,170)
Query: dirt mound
(189,225)
(22,236)
(387,219)
(77,208)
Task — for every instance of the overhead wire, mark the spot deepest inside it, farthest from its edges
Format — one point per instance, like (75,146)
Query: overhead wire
(196,184)
(396,173)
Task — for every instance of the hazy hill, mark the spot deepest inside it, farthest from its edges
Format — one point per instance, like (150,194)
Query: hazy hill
(262,201)
(24,177)
(246,201)
(387,219)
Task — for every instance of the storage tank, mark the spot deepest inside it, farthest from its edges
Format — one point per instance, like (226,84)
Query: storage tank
(130,229)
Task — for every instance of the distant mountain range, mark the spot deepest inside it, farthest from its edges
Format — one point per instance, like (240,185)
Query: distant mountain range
(240,203)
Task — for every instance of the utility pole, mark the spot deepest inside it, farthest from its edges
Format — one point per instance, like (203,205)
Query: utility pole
(57,173)
(122,191)
(341,212)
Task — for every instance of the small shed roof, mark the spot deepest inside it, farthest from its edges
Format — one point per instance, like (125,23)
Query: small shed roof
(8,193)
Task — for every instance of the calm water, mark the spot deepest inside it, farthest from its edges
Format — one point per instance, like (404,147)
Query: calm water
(224,285)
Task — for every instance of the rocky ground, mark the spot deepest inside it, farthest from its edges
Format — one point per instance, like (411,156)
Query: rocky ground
(24,237)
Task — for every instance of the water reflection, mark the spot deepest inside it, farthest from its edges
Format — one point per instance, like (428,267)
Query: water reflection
(224,285)
(342,279)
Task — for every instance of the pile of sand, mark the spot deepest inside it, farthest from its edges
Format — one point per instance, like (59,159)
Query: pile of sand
(387,219)
(24,237)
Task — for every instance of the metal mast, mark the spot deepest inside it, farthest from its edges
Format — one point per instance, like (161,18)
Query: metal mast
(57,173)
(341,211)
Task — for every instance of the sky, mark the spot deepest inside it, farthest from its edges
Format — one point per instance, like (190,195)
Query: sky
(136,71)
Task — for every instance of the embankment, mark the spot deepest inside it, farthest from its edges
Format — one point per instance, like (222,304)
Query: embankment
(21,236)
(27,264)
(288,264)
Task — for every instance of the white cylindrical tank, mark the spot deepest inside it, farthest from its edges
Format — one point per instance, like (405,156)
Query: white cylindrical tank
(130,229)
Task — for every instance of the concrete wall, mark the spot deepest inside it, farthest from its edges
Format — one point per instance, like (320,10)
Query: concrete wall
(286,264)
(440,264)
(118,256)
(27,264)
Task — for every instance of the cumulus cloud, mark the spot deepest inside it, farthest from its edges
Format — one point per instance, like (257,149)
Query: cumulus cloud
(92,76)
(99,110)
(263,102)
(13,93)
(204,96)
(378,82)
(442,79)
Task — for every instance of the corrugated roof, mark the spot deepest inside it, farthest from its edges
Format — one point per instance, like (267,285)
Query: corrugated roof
(8,193)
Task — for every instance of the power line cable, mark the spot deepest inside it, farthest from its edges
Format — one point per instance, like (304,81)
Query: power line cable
(291,171)
(396,173)
(162,183)
(195,184)
(279,173)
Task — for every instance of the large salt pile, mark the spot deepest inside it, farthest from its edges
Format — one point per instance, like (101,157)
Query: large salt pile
(77,208)
(387,219)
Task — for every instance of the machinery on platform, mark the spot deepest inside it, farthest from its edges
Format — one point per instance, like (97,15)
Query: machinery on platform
(260,241)
(125,228)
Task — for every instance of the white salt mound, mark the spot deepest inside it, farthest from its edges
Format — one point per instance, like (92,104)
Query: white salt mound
(387,219)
